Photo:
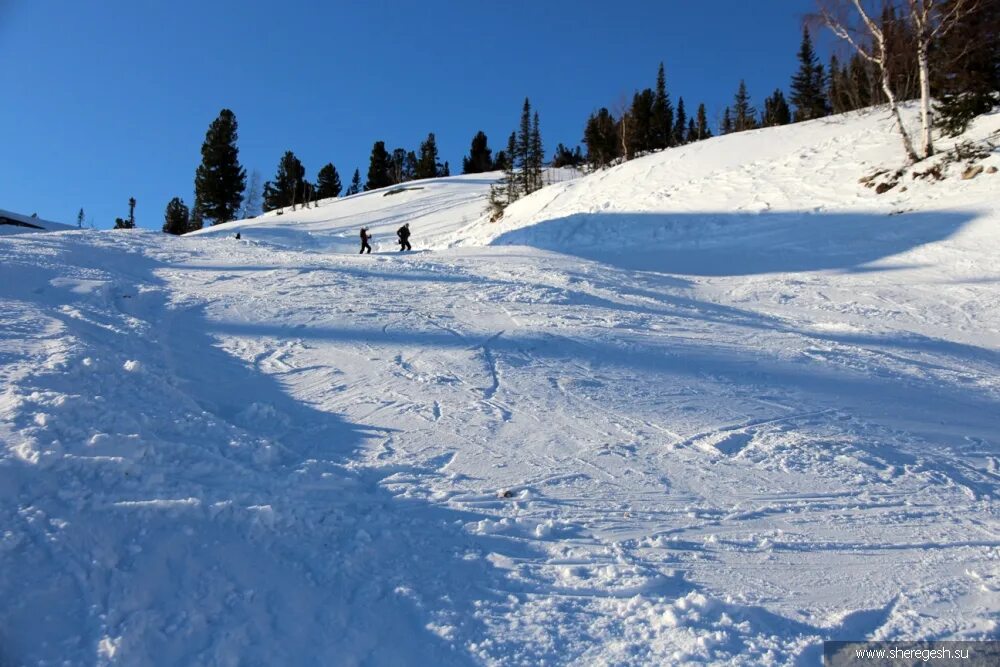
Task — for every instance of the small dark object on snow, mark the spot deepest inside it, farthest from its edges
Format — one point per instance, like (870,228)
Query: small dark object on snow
(884,187)
(238,237)
(404,237)
(506,493)
(971,172)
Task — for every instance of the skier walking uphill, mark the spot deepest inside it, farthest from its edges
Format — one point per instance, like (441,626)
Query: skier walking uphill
(365,237)
(404,237)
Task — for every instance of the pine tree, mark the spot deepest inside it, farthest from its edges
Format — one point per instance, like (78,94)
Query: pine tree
(681,125)
(220,180)
(744,115)
(196,222)
(79,219)
(522,158)
(378,168)
(641,129)
(807,84)
(776,111)
(600,137)
(836,87)
(410,166)
(480,158)
(663,114)
(427,163)
(692,131)
(126,223)
(397,166)
(288,187)
(176,218)
(446,170)
(537,154)
(727,122)
(500,163)
(328,182)
(355,186)
(966,81)
(704,132)
(504,191)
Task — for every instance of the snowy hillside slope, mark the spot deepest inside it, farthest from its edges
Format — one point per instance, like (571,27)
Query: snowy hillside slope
(756,429)
(15,223)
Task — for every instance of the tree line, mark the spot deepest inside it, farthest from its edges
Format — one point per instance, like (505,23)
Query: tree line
(911,47)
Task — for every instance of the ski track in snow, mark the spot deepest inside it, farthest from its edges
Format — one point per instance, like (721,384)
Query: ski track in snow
(274,452)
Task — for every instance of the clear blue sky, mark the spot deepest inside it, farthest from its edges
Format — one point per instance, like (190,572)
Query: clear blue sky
(111,99)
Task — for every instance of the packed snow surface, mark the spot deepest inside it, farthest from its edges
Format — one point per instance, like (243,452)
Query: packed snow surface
(714,405)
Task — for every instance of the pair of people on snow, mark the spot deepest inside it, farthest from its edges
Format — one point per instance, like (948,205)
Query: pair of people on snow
(403,233)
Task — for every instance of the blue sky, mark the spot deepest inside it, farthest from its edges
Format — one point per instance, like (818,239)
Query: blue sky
(111,99)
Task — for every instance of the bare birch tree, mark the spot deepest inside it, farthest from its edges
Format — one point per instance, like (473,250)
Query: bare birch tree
(869,41)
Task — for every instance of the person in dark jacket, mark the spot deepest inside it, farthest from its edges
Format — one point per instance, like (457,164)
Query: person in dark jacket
(404,237)
(365,237)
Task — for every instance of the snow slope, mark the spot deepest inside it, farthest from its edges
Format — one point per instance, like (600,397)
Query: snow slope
(711,406)
(28,224)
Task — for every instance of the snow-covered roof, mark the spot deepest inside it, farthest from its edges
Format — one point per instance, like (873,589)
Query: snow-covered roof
(15,223)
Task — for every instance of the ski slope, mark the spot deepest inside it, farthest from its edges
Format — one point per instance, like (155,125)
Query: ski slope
(711,406)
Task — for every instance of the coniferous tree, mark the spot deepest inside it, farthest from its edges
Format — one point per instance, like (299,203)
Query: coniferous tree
(600,137)
(692,131)
(537,153)
(662,112)
(522,159)
(836,87)
(807,85)
(726,127)
(220,180)
(427,163)
(641,128)
(680,128)
(196,222)
(704,132)
(410,166)
(355,186)
(446,170)
(288,187)
(480,157)
(966,78)
(378,168)
(564,157)
(744,115)
(500,163)
(505,191)
(176,217)
(397,166)
(126,223)
(328,182)
(79,219)
(776,111)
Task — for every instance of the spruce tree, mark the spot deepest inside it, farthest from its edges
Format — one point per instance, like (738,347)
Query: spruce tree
(124,223)
(726,127)
(355,186)
(328,182)
(445,170)
(378,168)
(680,128)
(196,222)
(427,163)
(397,166)
(288,187)
(600,137)
(537,154)
(704,132)
(176,218)
(663,114)
(966,80)
(410,166)
(220,180)
(807,84)
(641,130)
(744,115)
(776,110)
(79,219)
(480,157)
(522,158)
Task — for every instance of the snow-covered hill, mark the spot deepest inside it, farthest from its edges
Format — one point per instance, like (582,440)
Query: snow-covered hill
(15,223)
(714,405)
